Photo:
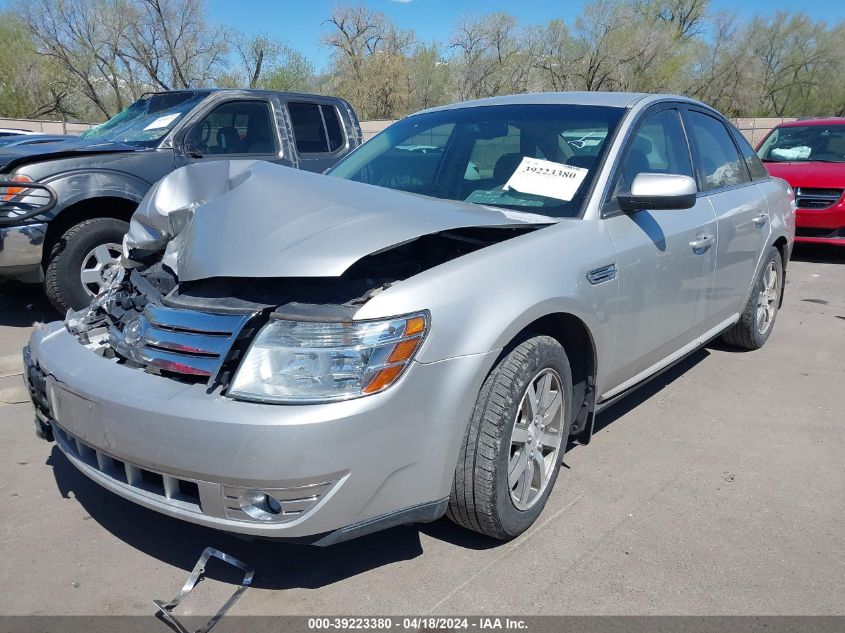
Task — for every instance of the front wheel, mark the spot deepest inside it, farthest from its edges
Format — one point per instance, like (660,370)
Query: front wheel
(514,444)
(758,318)
(82,262)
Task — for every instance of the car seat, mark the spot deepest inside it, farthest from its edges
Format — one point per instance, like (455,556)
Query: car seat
(228,140)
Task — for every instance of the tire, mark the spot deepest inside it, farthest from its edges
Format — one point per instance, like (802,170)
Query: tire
(482,497)
(764,302)
(62,278)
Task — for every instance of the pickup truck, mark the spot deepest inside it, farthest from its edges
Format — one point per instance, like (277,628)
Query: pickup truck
(65,206)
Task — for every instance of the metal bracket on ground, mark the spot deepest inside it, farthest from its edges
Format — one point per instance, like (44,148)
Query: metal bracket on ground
(165,608)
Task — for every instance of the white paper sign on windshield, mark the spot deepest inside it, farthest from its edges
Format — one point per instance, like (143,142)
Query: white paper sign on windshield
(545,178)
(162,121)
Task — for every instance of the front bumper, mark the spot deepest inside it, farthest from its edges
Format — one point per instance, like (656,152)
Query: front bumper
(821,226)
(21,251)
(347,467)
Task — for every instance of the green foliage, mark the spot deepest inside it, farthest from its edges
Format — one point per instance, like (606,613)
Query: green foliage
(89,58)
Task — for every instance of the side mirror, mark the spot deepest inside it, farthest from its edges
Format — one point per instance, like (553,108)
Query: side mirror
(659,191)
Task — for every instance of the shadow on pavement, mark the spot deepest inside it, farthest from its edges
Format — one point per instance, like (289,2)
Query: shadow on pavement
(653,387)
(278,565)
(23,304)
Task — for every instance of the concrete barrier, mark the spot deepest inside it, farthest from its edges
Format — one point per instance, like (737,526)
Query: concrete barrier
(46,127)
(753,128)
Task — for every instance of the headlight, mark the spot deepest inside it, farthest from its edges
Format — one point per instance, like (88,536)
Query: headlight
(307,361)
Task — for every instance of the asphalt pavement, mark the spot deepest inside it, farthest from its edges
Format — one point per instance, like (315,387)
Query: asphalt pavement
(719,488)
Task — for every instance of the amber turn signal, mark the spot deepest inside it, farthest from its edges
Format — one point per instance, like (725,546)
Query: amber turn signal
(383,378)
(403,350)
(11,192)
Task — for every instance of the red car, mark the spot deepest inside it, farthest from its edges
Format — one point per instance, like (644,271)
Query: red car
(810,156)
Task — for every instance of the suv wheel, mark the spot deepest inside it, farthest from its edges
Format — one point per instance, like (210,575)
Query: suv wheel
(758,319)
(514,444)
(82,261)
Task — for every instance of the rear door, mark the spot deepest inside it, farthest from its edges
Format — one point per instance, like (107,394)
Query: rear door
(318,133)
(666,259)
(742,218)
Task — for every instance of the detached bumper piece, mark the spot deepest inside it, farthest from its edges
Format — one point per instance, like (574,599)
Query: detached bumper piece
(165,609)
(36,384)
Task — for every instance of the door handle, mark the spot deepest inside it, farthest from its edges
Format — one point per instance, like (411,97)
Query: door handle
(761,219)
(701,243)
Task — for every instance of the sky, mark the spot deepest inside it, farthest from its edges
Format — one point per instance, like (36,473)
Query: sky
(300,23)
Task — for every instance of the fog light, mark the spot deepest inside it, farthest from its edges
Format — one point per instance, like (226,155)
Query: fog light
(260,505)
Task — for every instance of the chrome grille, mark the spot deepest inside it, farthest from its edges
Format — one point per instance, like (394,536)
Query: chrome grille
(812,198)
(185,342)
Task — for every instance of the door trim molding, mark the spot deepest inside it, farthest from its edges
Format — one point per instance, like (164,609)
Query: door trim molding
(668,360)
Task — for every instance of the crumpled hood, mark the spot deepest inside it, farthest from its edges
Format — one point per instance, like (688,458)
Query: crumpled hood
(23,154)
(257,219)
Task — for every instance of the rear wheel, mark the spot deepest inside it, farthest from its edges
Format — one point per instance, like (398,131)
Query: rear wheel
(514,444)
(758,319)
(82,262)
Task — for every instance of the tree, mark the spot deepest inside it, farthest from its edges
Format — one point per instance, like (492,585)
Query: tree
(493,56)
(370,61)
(292,72)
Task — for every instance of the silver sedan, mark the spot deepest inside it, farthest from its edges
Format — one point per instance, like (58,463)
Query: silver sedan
(422,330)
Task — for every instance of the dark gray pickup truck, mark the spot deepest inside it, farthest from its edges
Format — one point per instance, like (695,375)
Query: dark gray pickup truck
(65,206)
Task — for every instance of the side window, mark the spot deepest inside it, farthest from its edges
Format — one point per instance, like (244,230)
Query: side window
(334,130)
(715,152)
(316,128)
(659,147)
(234,127)
(752,161)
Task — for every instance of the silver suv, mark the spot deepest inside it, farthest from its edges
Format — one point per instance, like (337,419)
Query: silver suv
(422,330)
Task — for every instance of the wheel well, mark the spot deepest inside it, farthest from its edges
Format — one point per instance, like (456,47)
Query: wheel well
(574,336)
(105,207)
(781,245)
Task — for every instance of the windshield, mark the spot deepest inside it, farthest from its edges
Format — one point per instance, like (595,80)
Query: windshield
(484,155)
(148,120)
(821,143)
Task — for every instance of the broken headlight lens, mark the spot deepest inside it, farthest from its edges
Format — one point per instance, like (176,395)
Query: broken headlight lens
(308,361)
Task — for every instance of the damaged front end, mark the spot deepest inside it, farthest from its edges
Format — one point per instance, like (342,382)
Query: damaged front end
(197,331)
(184,305)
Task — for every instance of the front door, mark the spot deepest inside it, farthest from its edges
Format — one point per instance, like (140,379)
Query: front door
(665,259)
(241,128)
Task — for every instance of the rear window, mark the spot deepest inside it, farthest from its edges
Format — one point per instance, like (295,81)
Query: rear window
(755,165)
(316,127)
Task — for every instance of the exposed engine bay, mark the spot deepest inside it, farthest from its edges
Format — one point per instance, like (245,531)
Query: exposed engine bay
(150,320)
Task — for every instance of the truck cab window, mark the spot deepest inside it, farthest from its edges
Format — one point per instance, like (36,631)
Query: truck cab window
(234,127)
(316,128)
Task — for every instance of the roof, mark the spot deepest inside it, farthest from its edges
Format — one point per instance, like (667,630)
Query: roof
(612,99)
(251,91)
(834,120)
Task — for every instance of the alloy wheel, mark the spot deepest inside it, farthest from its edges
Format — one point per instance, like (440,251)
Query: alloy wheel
(99,267)
(536,439)
(767,300)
